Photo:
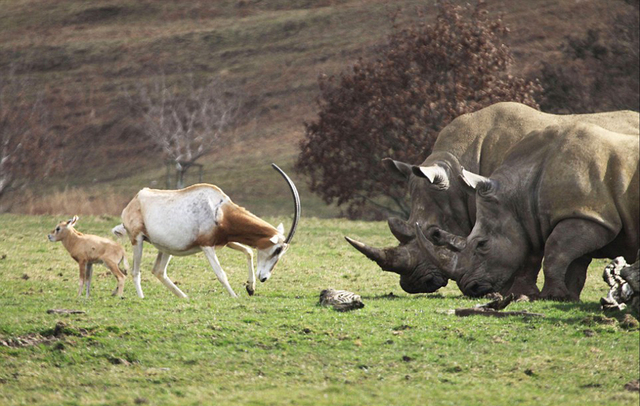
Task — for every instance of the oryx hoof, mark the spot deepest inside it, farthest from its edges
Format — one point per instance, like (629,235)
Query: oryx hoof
(250,290)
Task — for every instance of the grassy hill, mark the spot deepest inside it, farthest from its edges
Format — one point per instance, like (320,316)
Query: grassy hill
(86,53)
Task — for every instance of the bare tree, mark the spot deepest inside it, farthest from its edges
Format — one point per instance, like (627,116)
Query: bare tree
(25,147)
(185,120)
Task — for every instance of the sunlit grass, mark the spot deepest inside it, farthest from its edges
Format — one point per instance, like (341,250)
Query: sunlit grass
(279,346)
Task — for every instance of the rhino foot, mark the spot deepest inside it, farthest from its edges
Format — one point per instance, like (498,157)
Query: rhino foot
(558,293)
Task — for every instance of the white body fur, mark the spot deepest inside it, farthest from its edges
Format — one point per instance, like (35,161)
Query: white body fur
(198,218)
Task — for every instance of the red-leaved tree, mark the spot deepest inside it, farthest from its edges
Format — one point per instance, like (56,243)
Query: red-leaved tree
(426,75)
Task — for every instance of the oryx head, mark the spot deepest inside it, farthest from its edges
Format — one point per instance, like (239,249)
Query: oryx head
(277,244)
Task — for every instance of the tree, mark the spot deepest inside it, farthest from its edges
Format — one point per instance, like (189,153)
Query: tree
(425,76)
(598,71)
(185,120)
(26,148)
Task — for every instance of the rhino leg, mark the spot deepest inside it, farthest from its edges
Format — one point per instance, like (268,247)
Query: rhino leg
(525,281)
(577,275)
(564,257)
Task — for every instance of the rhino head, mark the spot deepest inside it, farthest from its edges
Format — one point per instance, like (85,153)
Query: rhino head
(489,259)
(436,204)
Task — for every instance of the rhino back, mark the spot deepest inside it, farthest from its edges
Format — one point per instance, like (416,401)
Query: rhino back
(481,140)
(578,171)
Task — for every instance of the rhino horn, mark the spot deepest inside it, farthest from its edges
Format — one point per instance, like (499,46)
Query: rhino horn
(398,260)
(444,258)
(436,174)
(401,230)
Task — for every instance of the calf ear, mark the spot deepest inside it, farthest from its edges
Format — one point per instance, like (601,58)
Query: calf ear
(73,221)
(436,174)
(397,168)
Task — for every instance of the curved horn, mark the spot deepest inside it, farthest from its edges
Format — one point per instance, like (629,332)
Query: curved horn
(398,259)
(401,230)
(296,203)
(444,258)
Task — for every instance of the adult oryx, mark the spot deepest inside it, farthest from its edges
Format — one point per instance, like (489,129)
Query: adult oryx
(201,218)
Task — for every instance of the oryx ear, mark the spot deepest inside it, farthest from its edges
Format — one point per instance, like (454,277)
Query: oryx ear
(280,228)
(397,168)
(274,240)
(73,221)
(436,174)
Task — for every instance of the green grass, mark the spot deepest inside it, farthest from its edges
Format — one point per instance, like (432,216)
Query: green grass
(279,347)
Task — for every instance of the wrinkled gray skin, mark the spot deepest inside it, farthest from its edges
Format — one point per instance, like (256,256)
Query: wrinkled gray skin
(569,193)
(478,141)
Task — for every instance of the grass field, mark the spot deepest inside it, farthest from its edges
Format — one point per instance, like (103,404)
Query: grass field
(279,347)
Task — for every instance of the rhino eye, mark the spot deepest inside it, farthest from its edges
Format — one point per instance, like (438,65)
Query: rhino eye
(482,246)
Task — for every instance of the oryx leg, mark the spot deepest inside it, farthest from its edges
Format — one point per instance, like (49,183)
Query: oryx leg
(251,282)
(210,253)
(137,259)
(88,276)
(160,271)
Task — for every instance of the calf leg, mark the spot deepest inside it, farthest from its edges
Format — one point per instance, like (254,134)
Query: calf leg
(210,253)
(160,271)
(137,259)
(88,276)
(566,257)
(251,282)
(113,267)
(83,272)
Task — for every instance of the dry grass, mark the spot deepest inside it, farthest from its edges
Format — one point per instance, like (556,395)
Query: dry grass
(70,201)
(273,51)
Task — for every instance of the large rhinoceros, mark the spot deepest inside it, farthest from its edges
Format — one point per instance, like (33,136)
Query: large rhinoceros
(567,193)
(478,141)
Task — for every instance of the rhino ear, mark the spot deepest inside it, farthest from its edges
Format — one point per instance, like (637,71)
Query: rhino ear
(397,168)
(470,181)
(436,174)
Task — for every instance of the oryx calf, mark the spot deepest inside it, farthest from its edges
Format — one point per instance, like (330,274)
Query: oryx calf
(201,218)
(89,249)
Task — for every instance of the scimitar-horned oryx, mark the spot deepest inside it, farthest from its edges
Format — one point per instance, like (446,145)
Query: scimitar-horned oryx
(202,218)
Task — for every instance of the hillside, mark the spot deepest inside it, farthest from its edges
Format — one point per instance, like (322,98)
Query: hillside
(270,51)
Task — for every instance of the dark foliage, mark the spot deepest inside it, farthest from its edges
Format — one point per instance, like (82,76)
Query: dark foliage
(598,71)
(426,75)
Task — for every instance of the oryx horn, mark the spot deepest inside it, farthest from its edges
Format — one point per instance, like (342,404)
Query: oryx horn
(296,203)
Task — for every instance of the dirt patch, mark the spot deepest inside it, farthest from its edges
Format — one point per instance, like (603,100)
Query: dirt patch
(633,386)
(47,337)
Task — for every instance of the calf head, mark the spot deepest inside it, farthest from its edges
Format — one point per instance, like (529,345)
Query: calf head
(62,229)
(435,201)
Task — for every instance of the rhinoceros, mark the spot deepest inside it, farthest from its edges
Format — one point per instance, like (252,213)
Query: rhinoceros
(478,141)
(567,193)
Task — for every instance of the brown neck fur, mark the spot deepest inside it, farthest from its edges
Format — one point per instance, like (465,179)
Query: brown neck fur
(239,225)
(71,238)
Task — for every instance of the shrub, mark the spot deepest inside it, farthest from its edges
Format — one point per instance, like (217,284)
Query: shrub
(426,75)
(598,71)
